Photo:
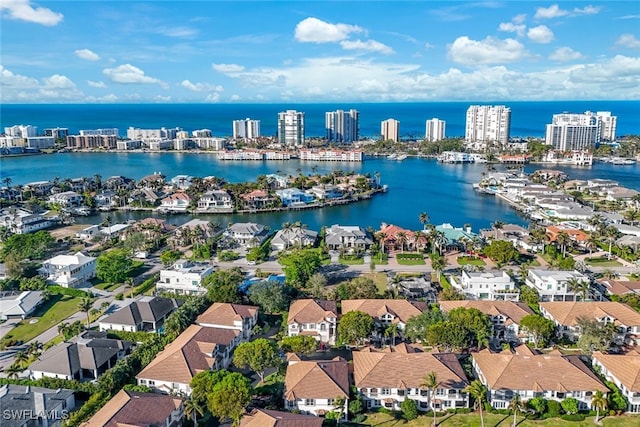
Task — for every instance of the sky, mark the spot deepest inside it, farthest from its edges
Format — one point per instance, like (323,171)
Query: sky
(317,51)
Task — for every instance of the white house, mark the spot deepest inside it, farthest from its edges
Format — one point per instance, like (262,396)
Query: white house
(178,201)
(184,277)
(294,236)
(19,304)
(67,199)
(552,284)
(249,234)
(69,271)
(318,319)
(21,221)
(624,371)
(347,238)
(486,285)
(146,313)
(215,200)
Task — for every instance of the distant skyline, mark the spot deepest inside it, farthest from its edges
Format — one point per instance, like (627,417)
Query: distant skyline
(317,51)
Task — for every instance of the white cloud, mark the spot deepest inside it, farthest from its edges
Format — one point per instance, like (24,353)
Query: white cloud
(628,40)
(178,32)
(428,45)
(9,79)
(22,10)
(200,87)
(100,84)
(227,68)
(552,11)
(162,98)
(58,81)
(565,54)
(369,45)
(235,97)
(315,30)
(54,88)
(519,19)
(488,51)
(128,74)
(108,98)
(213,97)
(510,27)
(587,10)
(540,34)
(87,55)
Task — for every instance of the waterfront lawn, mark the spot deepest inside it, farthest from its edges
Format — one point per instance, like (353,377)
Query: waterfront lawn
(602,262)
(470,260)
(50,314)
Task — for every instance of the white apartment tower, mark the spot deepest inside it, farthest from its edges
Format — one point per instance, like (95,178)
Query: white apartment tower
(488,123)
(569,131)
(342,126)
(390,130)
(435,130)
(21,131)
(246,129)
(291,128)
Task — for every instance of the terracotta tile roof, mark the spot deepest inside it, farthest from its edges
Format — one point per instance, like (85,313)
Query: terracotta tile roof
(403,310)
(509,309)
(621,287)
(128,408)
(311,311)
(566,313)
(406,370)
(321,379)
(269,418)
(225,314)
(550,372)
(188,354)
(625,367)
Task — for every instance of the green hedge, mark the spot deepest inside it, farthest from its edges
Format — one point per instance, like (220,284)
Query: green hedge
(410,256)
(59,290)
(146,285)
(137,337)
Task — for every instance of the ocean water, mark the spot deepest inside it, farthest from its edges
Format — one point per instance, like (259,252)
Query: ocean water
(527,118)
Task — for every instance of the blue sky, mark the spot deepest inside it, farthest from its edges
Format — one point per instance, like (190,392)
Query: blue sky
(318,51)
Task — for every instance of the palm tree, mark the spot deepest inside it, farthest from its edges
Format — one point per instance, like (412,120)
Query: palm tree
(438,263)
(515,405)
(563,240)
(13,371)
(580,287)
(401,238)
(599,402)
(192,408)
(611,234)
(424,219)
(632,216)
(591,244)
(478,391)
(85,305)
(34,348)
(497,225)
(430,382)
(391,331)
(21,357)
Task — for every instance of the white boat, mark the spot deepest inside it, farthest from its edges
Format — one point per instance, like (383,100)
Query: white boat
(401,157)
(621,161)
(392,156)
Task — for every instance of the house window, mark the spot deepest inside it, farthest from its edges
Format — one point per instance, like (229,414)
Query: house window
(423,404)
(388,404)
(400,392)
(385,390)
(330,402)
(151,382)
(143,382)
(440,392)
(309,402)
(323,327)
(373,391)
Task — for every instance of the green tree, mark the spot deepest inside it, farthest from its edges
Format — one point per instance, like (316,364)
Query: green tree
(358,288)
(451,336)
(451,294)
(257,355)
(424,219)
(530,297)
(113,266)
(594,335)
(316,286)
(192,409)
(170,256)
(27,246)
(501,251)
(409,409)
(135,242)
(580,287)
(222,285)
(538,404)
(230,397)
(438,263)
(430,382)
(300,344)
(354,327)
(300,265)
(418,326)
(515,405)
(478,391)
(599,403)
(570,405)
(540,328)
(85,305)
(272,296)
(476,322)
(202,385)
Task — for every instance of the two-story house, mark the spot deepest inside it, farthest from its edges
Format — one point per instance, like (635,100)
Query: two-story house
(294,197)
(247,234)
(552,285)
(347,237)
(386,311)
(566,315)
(238,317)
(386,379)
(31,402)
(22,221)
(69,271)
(195,350)
(316,318)
(293,237)
(553,376)
(184,277)
(314,387)
(146,313)
(505,316)
(215,200)
(486,285)
(624,371)
(67,199)
(178,201)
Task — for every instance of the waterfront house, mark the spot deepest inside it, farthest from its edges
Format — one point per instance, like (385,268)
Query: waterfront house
(86,356)
(552,285)
(516,234)
(89,232)
(505,316)
(270,418)
(325,192)
(257,199)
(215,200)
(19,304)
(486,285)
(145,197)
(576,235)
(277,181)
(386,379)
(136,409)
(315,318)
(238,317)
(22,221)
(247,234)
(69,271)
(184,277)
(145,313)
(117,182)
(181,182)
(399,239)
(178,201)
(195,350)
(347,238)
(456,237)
(294,236)
(30,401)
(312,387)
(38,188)
(294,197)
(106,199)
(552,376)
(153,181)
(67,199)
(386,312)
(566,316)
(624,371)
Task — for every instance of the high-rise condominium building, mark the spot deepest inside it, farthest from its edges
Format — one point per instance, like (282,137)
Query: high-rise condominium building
(21,131)
(342,126)
(105,132)
(435,130)
(569,131)
(488,123)
(291,128)
(390,130)
(246,129)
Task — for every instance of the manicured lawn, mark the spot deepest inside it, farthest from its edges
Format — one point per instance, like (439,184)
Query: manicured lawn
(375,259)
(470,260)
(356,261)
(54,311)
(602,262)
(417,261)
(380,280)
(107,286)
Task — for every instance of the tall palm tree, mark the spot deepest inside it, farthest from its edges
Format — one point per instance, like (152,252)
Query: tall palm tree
(438,263)
(21,357)
(430,382)
(192,408)
(563,240)
(591,244)
(599,402)
(401,238)
(580,287)
(85,305)
(515,404)
(391,331)
(13,371)
(478,391)
(610,234)
(424,219)
(497,225)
